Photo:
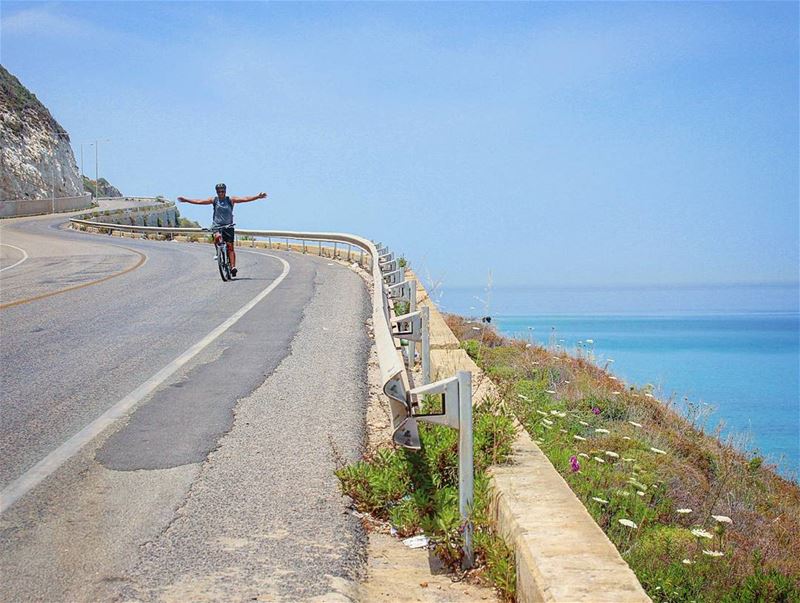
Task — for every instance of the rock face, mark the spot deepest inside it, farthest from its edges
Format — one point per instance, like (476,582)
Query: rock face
(35,155)
(106,189)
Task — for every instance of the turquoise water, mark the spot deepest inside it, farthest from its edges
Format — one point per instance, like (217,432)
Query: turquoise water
(745,364)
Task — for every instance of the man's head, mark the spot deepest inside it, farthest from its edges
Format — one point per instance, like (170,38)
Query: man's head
(221,188)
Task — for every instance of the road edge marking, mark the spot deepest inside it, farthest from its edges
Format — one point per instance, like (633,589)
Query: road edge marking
(50,463)
(24,256)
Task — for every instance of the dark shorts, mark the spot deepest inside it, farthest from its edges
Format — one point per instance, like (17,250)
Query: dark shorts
(227,234)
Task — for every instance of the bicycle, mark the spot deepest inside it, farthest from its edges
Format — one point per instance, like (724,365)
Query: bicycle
(223,262)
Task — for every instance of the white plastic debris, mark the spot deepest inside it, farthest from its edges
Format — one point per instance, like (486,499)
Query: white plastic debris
(416,542)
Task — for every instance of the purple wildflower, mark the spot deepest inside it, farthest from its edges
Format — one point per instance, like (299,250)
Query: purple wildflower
(596,410)
(574,463)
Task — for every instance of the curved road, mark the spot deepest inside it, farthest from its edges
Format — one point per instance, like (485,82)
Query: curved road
(167,436)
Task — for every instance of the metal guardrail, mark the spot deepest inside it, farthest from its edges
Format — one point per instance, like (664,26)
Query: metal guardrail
(393,375)
(389,285)
(137,199)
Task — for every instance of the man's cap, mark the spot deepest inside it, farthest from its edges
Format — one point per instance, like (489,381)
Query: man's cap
(221,185)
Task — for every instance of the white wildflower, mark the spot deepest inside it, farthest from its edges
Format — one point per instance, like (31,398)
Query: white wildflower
(563,431)
(683,511)
(554,412)
(649,395)
(598,459)
(635,424)
(640,493)
(546,426)
(615,393)
(549,391)
(722,518)
(583,454)
(713,553)
(579,438)
(697,532)
(584,423)
(687,561)
(613,455)
(628,460)
(625,438)
(541,412)
(602,501)
(547,421)
(627,523)
(601,430)
(658,451)
(523,397)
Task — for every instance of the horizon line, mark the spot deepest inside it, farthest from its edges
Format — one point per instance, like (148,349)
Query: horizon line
(616,286)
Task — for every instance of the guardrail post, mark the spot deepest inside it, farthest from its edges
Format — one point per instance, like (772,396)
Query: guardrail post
(287,244)
(349,249)
(269,242)
(466,476)
(361,259)
(412,307)
(335,250)
(320,249)
(426,345)
(456,413)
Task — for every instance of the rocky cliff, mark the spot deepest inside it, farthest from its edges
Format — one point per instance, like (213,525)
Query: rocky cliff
(105,188)
(35,154)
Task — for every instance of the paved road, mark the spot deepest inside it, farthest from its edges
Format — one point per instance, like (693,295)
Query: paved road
(217,481)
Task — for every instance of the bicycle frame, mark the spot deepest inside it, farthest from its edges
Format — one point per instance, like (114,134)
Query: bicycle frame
(223,261)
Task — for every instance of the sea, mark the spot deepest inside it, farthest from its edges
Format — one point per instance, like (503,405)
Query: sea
(731,351)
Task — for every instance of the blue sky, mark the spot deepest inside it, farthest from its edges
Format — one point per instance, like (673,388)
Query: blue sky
(551,143)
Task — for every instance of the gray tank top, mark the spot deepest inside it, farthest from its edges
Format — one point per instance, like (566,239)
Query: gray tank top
(223,211)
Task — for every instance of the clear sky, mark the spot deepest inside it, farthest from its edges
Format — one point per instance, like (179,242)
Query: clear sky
(551,143)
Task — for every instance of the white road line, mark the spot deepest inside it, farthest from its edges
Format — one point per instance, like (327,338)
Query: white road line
(36,474)
(24,256)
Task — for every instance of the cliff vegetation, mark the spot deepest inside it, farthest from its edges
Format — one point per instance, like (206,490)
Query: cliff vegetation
(696,518)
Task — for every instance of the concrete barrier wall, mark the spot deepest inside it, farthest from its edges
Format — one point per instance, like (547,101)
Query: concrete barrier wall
(31,207)
(158,215)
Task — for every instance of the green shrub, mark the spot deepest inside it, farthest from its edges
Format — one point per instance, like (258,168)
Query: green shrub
(418,491)
(472,347)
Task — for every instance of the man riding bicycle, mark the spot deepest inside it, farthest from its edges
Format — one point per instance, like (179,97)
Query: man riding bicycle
(223,217)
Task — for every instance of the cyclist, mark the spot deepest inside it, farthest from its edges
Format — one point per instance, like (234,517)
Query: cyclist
(223,216)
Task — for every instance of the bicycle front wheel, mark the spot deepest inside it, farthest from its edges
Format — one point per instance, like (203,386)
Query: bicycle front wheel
(222,264)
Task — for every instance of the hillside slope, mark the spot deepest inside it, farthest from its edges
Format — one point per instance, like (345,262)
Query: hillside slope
(35,154)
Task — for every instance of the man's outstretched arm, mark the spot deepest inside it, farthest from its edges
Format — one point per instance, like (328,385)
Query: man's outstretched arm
(196,201)
(248,199)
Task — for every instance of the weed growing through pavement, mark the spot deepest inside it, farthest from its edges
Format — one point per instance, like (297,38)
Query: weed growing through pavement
(417,492)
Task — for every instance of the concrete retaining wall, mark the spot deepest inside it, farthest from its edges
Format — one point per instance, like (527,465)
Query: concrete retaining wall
(31,207)
(145,216)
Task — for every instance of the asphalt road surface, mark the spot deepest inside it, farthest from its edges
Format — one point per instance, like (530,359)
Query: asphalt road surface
(165,436)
